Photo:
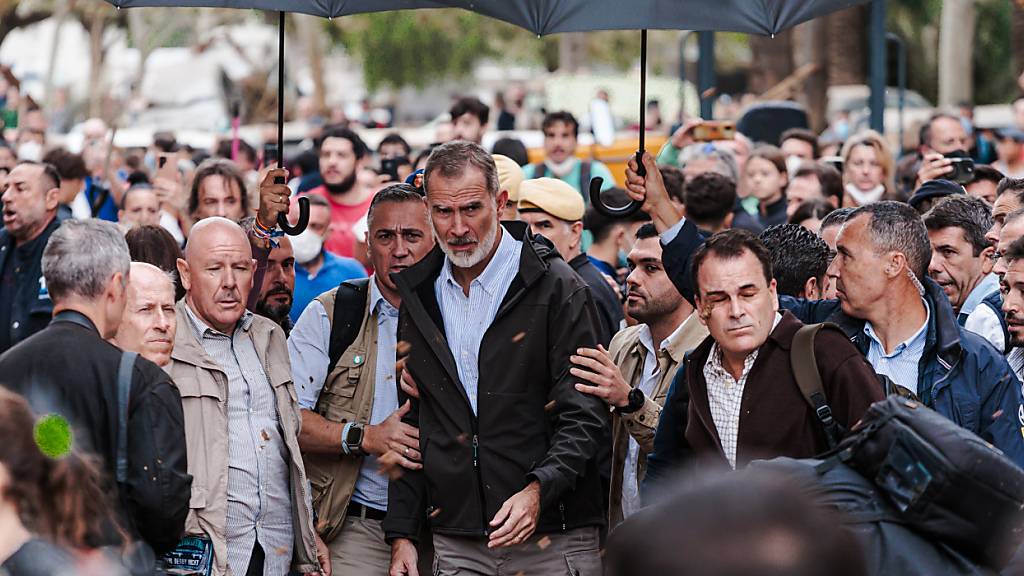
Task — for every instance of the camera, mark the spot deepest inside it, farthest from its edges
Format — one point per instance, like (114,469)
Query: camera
(963,170)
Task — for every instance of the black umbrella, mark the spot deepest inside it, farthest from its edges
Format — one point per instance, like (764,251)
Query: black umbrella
(325,8)
(766,17)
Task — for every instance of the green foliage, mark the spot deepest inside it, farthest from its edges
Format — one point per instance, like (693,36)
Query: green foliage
(407,48)
(994,79)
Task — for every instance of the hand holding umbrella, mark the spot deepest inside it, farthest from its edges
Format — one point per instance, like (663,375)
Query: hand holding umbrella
(647,191)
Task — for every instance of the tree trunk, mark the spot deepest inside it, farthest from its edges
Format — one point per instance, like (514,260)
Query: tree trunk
(61,16)
(772,60)
(309,28)
(97,25)
(956,40)
(809,47)
(1017,35)
(847,41)
(572,52)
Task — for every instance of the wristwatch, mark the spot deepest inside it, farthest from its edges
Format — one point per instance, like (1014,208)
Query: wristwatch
(636,401)
(352,439)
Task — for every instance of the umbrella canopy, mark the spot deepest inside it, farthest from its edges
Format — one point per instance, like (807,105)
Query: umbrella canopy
(764,17)
(324,8)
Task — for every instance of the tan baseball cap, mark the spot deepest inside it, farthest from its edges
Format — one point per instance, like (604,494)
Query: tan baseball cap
(553,196)
(510,176)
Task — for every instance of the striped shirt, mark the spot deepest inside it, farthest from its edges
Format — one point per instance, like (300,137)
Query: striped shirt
(1016,361)
(259,496)
(902,365)
(466,318)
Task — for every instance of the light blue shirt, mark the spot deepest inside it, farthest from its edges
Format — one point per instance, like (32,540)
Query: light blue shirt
(308,349)
(902,365)
(466,318)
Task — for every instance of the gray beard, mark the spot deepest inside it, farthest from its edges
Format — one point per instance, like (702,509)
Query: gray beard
(476,256)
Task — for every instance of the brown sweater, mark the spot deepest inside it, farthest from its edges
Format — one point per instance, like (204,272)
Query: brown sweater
(775,419)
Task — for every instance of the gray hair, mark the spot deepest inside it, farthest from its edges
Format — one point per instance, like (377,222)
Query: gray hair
(896,227)
(82,256)
(725,159)
(452,158)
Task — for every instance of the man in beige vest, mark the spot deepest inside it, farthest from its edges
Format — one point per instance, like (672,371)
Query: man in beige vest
(250,497)
(633,377)
(351,419)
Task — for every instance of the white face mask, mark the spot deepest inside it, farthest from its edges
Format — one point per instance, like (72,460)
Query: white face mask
(793,163)
(30,150)
(307,246)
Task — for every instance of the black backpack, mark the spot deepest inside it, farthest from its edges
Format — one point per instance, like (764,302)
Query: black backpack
(945,481)
(890,546)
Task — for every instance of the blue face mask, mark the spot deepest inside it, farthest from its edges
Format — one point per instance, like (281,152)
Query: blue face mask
(622,261)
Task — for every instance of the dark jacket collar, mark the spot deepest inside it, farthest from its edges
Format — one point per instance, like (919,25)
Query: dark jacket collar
(532,261)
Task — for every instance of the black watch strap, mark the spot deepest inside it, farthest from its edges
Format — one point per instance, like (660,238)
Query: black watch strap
(636,402)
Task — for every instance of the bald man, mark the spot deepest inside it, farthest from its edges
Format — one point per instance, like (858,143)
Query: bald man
(250,503)
(148,323)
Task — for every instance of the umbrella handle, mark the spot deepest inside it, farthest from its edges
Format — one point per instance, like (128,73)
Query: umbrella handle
(615,211)
(300,226)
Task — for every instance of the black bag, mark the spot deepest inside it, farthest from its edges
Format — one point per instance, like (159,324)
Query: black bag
(890,546)
(347,317)
(944,480)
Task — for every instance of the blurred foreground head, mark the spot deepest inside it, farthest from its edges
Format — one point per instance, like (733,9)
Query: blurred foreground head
(746,523)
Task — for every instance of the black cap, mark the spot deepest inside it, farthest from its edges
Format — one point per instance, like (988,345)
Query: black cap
(933,189)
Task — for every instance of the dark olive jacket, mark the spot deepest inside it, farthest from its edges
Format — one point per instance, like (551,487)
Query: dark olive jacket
(531,423)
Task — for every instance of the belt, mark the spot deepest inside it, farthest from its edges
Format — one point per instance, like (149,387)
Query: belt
(357,510)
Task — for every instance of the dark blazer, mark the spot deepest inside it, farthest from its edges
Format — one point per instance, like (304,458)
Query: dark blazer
(531,423)
(31,306)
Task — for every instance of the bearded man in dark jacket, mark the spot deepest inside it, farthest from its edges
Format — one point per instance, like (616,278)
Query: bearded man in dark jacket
(490,319)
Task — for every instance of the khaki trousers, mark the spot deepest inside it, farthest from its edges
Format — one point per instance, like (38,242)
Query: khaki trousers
(571,553)
(360,549)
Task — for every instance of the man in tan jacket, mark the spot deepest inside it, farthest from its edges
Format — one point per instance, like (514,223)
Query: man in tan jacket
(250,500)
(633,377)
(351,417)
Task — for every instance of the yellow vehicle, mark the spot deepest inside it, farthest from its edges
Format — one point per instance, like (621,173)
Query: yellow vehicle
(614,156)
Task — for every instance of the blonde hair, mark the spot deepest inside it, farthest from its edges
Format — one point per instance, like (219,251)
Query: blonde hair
(878,142)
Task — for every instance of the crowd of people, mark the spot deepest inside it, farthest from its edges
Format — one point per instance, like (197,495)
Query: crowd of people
(460,367)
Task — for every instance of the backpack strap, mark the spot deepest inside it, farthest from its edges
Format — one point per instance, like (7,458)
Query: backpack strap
(124,387)
(805,369)
(585,169)
(347,317)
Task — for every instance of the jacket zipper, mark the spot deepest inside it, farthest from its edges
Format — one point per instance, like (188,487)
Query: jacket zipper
(479,477)
(561,512)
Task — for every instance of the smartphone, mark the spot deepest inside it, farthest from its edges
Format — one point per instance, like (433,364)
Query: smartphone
(389,167)
(166,167)
(715,130)
(963,170)
(270,155)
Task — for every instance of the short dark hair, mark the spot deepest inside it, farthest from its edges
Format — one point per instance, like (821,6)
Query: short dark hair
(709,198)
(154,245)
(338,131)
(985,172)
(925,134)
(830,180)
(218,167)
(836,217)
(803,135)
(646,231)
(560,116)
(970,214)
(730,244)
(1015,251)
(395,138)
(394,194)
(244,149)
(675,182)
(512,148)
(815,208)
(797,255)
(772,154)
(896,227)
(470,105)
(69,166)
(599,225)
(1014,185)
(49,172)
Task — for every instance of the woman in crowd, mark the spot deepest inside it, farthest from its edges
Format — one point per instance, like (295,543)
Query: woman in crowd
(765,177)
(867,170)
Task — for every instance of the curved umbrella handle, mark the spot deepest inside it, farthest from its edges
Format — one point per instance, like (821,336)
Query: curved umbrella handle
(616,211)
(300,226)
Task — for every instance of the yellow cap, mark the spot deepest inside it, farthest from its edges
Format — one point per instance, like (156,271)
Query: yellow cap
(510,175)
(553,196)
